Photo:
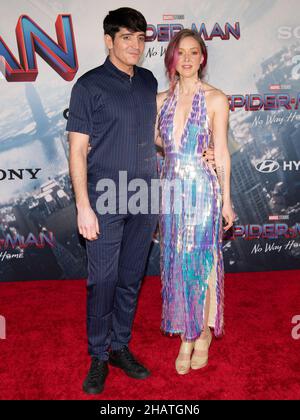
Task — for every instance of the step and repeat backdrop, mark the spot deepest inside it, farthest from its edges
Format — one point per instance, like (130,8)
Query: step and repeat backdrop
(253,56)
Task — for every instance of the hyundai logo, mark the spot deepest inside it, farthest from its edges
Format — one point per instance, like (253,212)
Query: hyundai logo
(267,166)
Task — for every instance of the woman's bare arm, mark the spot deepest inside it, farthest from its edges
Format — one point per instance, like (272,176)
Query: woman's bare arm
(221,153)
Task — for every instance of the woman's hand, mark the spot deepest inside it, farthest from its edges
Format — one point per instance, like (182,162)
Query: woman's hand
(209,156)
(229,215)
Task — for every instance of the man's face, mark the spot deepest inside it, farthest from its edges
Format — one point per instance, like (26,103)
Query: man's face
(127,47)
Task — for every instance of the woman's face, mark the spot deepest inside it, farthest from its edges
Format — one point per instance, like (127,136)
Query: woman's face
(189,57)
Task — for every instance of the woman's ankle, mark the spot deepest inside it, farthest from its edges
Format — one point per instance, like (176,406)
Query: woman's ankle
(205,333)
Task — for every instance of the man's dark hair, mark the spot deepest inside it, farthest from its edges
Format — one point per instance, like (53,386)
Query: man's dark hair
(124,17)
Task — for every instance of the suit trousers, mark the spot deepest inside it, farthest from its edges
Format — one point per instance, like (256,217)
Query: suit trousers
(116,266)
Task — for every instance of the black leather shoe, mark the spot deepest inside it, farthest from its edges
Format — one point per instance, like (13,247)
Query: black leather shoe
(125,360)
(94,382)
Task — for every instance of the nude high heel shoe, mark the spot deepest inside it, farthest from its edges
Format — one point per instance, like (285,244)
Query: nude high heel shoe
(200,355)
(183,361)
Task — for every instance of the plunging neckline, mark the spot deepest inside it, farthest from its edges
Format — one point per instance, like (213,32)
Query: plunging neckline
(177,146)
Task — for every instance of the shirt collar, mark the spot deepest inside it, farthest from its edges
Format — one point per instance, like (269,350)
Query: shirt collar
(112,68)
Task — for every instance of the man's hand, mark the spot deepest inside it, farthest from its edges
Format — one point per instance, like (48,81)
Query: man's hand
(88,224)
(208,155)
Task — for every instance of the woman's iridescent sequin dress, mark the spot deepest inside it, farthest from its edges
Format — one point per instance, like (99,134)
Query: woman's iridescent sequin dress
(190,224)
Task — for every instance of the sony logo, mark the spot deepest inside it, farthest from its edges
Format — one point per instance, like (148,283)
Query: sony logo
(13,174)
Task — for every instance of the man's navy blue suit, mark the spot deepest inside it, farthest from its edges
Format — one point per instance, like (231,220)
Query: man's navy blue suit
(118,113)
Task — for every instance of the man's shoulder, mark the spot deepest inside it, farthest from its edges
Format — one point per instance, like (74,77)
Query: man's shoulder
(90,76)
(146,73)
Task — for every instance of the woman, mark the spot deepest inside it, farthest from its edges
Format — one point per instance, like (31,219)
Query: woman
(191,116)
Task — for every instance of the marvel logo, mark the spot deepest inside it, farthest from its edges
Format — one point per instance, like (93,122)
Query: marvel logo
(173,17)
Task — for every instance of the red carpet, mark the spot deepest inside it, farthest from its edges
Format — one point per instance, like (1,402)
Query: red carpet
(44,355)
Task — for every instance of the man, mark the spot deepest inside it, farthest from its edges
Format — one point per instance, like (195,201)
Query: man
(111,123)
(113,108)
